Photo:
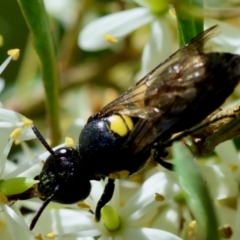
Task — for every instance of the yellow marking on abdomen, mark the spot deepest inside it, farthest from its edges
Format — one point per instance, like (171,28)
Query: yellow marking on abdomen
(120,124)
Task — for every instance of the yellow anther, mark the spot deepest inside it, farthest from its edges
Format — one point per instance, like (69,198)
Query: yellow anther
(119,175)
(110,38)
(17,142)
(172,12)
(27,122)
(159,197)
(233,167)
(16,133)
(48,141)
(191,229)
(50,235)
(84,205)
(14,53)
(121,203)
(2,224)
(225,231)
(69,142)
(39,237)
(1,41)
(3,198)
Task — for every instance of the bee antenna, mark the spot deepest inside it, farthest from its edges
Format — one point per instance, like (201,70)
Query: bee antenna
(44,205)
(43,141)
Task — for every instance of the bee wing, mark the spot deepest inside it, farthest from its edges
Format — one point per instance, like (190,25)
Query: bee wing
(134,102)
(160,98)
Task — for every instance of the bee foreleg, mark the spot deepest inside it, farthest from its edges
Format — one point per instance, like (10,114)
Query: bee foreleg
(105,198)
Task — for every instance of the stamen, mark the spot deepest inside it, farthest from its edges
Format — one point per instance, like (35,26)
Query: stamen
(110,38)
(84,205)
(50,235)
(14,53)
(233,167)
(17,142)
(3,198)
(1,41)
(16,133)
(69,142)
(5,63)
(121,202)
(26,122)
(191,229)
(225,231)
(159,197)
(2,224)
(110,218)
(39,237)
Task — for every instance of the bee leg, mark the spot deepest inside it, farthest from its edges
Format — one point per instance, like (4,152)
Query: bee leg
(161,153)
(105,198)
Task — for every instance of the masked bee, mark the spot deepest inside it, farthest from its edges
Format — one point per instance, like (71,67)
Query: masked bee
(117,141)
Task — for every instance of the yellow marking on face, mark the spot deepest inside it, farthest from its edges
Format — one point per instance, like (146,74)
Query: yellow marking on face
(119,175)
(120,125)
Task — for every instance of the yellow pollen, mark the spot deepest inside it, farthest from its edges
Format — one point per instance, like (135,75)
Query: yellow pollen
(233,167)
(110,38)
(84,205)
(14,53)
(159,197)
(3,198)
(225,231)
(26,122)
(17,142)
(121,202)
(2,224)
(39,237)
(48,141)
(16,133)
(69,142)
(192,228)
(172,12)
(1,41)
(50,235)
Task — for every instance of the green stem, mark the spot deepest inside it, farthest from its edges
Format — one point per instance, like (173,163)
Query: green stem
(190,19)
(37,21)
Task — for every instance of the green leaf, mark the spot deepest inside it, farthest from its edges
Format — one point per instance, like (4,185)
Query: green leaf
(37,21)
(154,5)
(197,194)
(190,19)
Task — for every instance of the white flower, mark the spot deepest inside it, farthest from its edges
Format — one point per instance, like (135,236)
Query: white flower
(118,25)
(78,224)
(63,10)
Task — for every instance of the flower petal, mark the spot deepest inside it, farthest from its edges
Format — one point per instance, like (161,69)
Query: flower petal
(148,233)
(228,40)
(163,183)
(159,46)
(118,25)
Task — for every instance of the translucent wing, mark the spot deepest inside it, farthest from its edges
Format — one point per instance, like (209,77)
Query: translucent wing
(175,95)
(155,86)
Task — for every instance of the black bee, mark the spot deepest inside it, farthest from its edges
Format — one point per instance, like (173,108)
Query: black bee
(117,141)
